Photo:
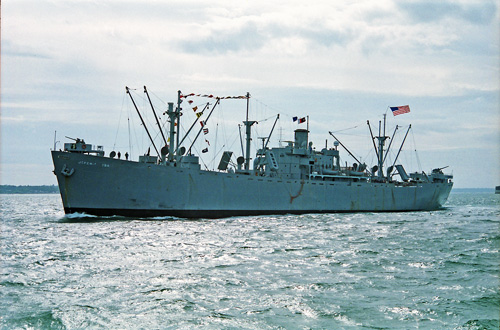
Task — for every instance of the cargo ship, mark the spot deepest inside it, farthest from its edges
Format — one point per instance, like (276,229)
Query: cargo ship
(291,179)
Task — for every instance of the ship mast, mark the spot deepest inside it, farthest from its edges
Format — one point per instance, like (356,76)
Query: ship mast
(171,115)
(381,141)
(248,125)
(174,116)
(178,115)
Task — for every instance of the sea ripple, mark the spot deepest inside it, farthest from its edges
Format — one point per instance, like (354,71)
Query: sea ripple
(431,270)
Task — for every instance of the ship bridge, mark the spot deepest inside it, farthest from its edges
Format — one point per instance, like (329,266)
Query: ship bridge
(299,160)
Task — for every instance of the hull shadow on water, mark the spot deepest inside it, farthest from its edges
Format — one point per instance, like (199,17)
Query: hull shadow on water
(82,217)
(89,218)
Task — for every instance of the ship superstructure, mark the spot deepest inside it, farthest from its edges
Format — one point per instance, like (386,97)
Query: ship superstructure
(295,178)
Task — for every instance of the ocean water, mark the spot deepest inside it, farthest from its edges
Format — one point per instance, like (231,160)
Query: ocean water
(413,270)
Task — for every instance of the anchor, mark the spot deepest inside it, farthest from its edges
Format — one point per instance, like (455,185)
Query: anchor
(66,171)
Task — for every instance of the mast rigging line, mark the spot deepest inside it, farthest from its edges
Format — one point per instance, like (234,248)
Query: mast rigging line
(119,121)
(402,143)
(266,119)
(277,109)
(147,118)
(142,120)
(205,122)
(345,129)
(159,99)
(241,140)
(373,139)
(155,115)
(416,153)
(390,143)
(345,148)
(192,125)
(211,96)
(272,129)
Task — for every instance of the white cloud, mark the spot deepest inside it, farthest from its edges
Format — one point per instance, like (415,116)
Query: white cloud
(325,44)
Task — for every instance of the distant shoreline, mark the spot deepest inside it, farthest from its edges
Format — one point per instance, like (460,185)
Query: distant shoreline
(460,190)
(8,189)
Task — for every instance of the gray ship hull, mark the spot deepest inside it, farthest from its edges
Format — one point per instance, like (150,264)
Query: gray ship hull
(105,186)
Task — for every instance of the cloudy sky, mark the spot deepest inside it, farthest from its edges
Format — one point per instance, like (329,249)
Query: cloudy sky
(65,65)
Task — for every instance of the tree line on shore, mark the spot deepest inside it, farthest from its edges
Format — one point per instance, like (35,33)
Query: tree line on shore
(9,189)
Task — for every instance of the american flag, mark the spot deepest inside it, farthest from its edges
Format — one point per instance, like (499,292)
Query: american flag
(400,110)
